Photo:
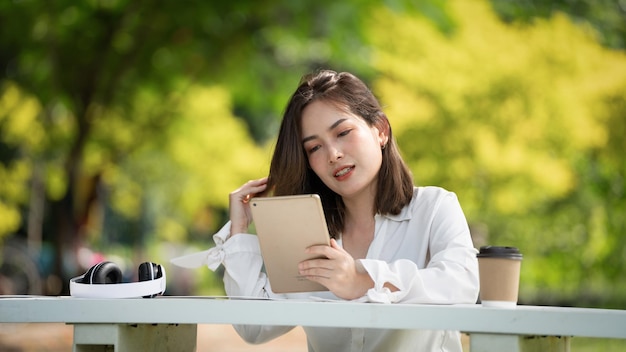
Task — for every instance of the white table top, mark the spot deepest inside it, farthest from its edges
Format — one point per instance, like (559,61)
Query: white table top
(472,318)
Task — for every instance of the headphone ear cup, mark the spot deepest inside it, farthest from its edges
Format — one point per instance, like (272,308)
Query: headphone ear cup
(149,271)
(103,273)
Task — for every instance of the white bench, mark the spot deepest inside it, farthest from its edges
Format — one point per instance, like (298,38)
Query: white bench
(170,323)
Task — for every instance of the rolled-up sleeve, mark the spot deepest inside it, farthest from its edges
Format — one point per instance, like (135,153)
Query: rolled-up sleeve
(243,277)
(451,275)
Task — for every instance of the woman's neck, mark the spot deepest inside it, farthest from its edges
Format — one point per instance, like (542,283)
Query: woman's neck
(358,229)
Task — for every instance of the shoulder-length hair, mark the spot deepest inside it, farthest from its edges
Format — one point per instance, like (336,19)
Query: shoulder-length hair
(290,172)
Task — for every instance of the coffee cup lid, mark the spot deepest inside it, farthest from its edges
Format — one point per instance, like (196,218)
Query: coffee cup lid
(499,252)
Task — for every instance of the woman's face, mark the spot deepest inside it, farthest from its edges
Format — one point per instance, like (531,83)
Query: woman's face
(343,150)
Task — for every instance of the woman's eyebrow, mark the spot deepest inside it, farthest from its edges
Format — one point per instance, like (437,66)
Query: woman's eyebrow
(335,124)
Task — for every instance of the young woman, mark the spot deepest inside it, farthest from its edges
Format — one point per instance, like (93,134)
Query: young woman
(391,242)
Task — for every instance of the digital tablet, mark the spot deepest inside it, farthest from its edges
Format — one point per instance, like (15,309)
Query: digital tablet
(286,226)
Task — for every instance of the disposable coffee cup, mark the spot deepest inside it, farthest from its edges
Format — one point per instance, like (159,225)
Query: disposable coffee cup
(499,271)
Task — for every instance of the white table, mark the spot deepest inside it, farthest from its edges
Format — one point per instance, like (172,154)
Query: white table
(171,322)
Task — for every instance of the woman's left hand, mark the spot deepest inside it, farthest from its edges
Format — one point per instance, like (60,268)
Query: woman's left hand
(337,271)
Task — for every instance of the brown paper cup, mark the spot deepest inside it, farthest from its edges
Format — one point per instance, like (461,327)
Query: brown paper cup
(499,271)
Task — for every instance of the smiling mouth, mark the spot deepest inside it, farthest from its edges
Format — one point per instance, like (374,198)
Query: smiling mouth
(344,171)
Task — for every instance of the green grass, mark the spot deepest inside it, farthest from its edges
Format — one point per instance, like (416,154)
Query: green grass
(584,344)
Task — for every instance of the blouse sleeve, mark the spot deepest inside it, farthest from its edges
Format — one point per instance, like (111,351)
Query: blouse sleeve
(451,275)
(243,277)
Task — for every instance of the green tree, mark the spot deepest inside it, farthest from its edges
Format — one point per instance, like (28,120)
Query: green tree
(607,17)
(522,122)
(96,112)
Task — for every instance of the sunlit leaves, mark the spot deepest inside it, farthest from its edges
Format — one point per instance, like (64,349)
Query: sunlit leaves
(18,118)
(608,17)
(213,146)
(517,99)
(174,175)
(523,120)
(513,118)
(21,135)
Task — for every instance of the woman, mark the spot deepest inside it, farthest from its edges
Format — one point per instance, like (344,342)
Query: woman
(391,242)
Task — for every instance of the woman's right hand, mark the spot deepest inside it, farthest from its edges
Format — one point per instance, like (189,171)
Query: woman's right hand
(239,209)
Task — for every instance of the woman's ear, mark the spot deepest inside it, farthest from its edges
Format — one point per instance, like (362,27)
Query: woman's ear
(384,130)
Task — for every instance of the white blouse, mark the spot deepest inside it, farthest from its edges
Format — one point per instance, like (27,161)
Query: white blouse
(425,251)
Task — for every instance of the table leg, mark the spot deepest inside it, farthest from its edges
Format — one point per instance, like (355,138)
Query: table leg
(134,337)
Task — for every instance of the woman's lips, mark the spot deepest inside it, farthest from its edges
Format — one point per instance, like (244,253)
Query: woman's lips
(343,171)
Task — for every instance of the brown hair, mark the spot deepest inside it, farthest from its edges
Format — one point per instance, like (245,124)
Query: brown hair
(289,170)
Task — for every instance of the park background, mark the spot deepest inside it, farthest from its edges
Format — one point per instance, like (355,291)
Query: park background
(124,125)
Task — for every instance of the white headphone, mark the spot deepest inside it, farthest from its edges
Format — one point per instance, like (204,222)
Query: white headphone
(104,280)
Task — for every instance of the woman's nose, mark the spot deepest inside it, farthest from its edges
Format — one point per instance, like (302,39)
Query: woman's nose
(334,155)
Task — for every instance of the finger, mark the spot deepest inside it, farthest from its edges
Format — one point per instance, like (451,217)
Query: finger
(320,252)
(262,182)
(246,198)
(316,272)
(249,190)
(315,263)
(320,280)
(256,185)
(331,252)
(251,185)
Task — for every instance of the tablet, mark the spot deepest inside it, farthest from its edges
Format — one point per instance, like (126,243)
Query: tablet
(286,226)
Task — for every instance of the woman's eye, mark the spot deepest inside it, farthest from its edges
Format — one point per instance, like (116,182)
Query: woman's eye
(313,149)
(344,133)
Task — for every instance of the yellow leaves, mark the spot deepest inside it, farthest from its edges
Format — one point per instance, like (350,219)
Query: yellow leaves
(405,107)
(171,230)
(56,183)
(214,146)
(10,219)
(496,158)
(424,169)
(18,117)
(127,195)
(20,133)
(12,190)
(553,176)
(506,107)
(12,177)
(520,174)
(176,173)
(599,243)
(546,178)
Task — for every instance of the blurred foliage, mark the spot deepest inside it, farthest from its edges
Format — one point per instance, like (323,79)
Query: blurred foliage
(127,121)
(125,124)
(524,124)
(607,17)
